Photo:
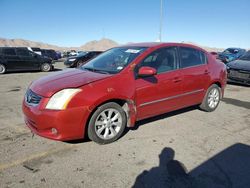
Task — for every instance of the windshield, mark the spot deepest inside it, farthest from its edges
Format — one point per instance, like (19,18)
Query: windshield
(246,56)
(113,60)
(231,51)
(81,54)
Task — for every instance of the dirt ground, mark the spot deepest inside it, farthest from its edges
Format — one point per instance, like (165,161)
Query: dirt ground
(186,148)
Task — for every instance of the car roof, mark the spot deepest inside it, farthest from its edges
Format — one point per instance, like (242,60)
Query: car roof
(235,48)
(160,44)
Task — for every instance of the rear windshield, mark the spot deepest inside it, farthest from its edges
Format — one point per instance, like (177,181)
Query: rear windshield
(231,51)
(246,56)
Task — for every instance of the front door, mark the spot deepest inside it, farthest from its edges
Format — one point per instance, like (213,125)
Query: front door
(160,93)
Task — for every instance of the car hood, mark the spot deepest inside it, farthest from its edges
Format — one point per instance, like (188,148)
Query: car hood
(48,85)
(240,64)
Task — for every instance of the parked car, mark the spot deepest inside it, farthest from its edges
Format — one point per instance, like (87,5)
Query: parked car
(239,70)
(121,86)
(59,55)
(231,54)
(49,53)
(82,58)
(20,58)
(36,50)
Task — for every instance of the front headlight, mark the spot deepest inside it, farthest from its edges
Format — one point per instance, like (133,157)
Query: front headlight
(72,59)
(60,100)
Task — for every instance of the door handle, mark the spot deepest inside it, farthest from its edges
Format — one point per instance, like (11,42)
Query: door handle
(177,79)
(206,72)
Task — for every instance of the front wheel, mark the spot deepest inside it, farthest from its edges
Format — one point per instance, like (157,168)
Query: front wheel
(107,123)
(2,69)
(211,99)
(46,67)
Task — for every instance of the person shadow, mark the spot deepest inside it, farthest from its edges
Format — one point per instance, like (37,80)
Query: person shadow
(169,173)
(227,169)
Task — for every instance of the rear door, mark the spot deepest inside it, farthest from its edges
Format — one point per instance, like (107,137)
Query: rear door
(12,60)
(195,74)
(160,93)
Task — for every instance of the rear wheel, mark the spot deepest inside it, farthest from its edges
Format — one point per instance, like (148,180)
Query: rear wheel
(46,67)
(2,69)
(211,99)
(107,123)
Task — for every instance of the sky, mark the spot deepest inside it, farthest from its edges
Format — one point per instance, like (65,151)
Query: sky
(213,23)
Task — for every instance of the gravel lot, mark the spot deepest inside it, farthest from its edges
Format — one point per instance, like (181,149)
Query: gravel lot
(187,148)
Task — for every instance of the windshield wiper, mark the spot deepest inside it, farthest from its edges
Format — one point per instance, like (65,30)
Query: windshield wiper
(96,70)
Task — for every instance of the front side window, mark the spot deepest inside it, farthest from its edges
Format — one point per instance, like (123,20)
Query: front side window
(113,60)
(190,57)
(9,51)
(163,60)
(22,52)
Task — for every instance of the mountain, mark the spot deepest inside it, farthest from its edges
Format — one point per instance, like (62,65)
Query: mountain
(26,43)
(102,44)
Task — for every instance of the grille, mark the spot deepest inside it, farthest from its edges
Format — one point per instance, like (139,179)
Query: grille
(32,98)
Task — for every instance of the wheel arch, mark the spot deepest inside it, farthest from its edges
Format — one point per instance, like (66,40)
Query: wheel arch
(127,105)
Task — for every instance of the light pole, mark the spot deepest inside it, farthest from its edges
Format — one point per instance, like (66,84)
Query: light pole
(161,21)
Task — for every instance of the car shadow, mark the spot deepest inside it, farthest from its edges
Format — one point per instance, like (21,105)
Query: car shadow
(229,168)
(31,71)
(237,84)
(163,116)
(142,122)
(236,102)
(79,141)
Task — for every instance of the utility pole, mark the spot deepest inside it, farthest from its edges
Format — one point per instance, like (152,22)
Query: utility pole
(161,21)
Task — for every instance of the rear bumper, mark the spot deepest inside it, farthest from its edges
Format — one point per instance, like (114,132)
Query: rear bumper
(69,124)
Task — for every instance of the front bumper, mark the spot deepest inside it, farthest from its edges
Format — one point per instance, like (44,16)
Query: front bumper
(239,76)
(239,81)
(69,124)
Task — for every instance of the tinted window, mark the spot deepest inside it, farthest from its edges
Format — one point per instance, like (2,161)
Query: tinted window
(22,52)
(9,51)
(162,60)
(191,57)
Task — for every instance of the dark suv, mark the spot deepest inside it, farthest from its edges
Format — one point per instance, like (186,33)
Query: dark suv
(20,59)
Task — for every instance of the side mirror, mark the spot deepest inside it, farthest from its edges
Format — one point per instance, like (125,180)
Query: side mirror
(146,71)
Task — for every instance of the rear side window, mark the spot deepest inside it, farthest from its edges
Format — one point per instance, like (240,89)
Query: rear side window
(163,60)
(22,52)
(191,57)
(9,51)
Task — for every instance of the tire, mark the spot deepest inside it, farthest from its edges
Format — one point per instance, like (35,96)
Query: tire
(211,99)
(2,69)
(46,67)
(107,123)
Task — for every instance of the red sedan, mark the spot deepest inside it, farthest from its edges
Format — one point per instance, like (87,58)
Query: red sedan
(121,86)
